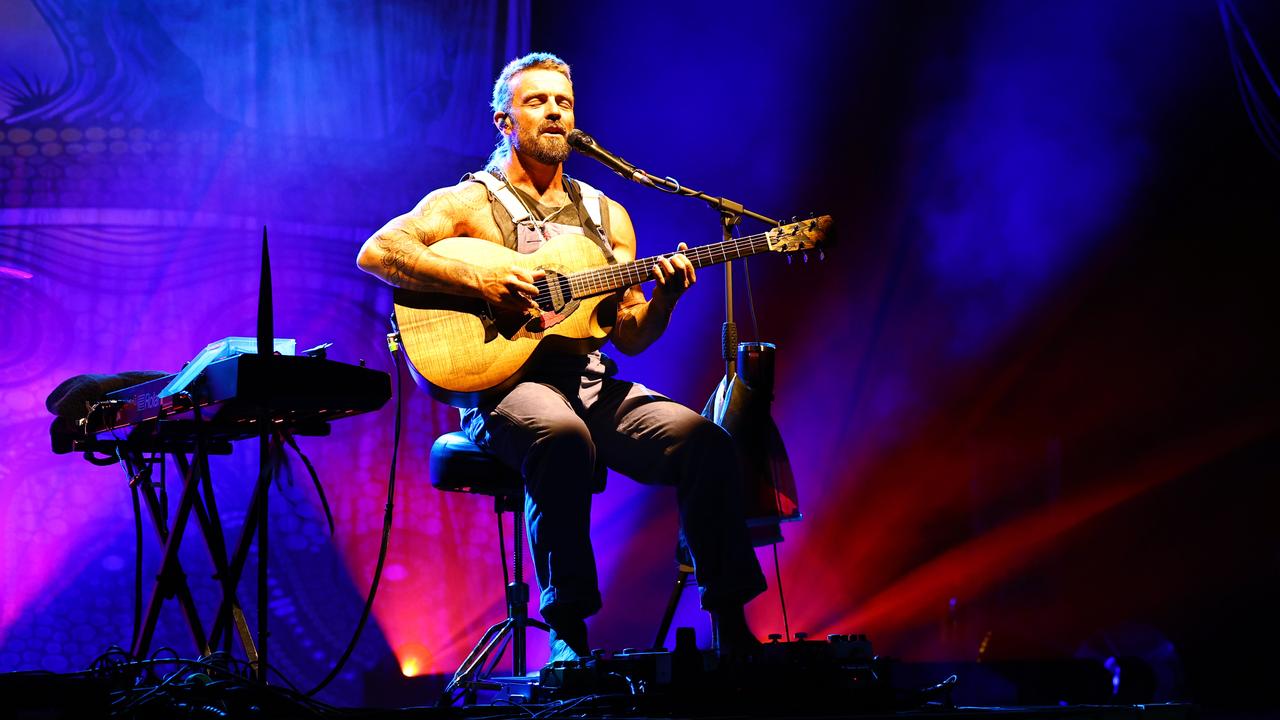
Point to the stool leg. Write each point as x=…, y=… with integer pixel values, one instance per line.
x=518, y=598
x=516, y=623
x=673, y=602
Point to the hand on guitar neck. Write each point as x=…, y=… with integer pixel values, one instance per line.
x=674, y=274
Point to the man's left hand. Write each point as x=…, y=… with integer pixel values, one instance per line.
x=675, y=274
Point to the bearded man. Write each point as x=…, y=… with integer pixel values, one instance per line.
x=570, y=416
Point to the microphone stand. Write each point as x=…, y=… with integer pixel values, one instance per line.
x=731, y=213
x=721, y=401
x=741, y=401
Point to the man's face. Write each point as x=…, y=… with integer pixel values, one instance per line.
x=541, y=115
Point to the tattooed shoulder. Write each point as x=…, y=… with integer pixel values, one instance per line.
x=470, y=195
x=455, y=201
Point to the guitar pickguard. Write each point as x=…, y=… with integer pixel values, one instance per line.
x=556, y=303
x=548, y=319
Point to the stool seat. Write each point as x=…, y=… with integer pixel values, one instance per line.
x=459, y=465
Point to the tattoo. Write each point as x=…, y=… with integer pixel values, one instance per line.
x=404, y=257
x=453, y=203
x=397, y=264
x=461, y=198
x=400, y=260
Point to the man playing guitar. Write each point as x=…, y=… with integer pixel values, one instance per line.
x=569, y=416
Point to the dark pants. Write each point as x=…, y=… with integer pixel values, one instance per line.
x=556, y=431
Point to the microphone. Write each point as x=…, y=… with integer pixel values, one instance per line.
x=588, y=146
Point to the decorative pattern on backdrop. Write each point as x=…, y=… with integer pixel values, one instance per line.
x=141, y=152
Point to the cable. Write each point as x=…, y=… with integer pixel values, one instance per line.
x=137, y=547
x=564, y=706
x=782, y=597
x=315, y=476
x=218, y=675
x=525, y=710
x=386, y=536
x=751, y=297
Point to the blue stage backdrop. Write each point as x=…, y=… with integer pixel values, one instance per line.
x=1029, y=396
x=144, y=146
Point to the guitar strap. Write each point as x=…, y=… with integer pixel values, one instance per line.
x=589, y=201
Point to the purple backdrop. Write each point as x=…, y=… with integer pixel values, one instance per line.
x=1029, y=396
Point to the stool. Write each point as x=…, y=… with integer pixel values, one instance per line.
x=459, y=465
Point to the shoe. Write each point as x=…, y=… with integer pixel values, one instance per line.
x=561, y=652
x=734, y=641
x=569, y=641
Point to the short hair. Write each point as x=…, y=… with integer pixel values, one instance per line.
x=502, y=99
x=501, y=102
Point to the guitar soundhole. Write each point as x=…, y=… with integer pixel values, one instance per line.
x=559, y=293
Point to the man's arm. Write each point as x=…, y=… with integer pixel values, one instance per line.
x=400, y=254
x=640, y=321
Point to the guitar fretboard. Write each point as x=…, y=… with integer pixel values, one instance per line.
x=609, y=278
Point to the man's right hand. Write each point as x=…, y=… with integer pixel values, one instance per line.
x=510, y=288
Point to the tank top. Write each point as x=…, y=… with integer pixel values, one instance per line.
x=539, y=224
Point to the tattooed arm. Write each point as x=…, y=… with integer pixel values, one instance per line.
x=400, y=253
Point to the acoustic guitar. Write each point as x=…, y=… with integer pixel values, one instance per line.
x=462, y=351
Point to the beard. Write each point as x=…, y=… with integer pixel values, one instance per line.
x=548, y=149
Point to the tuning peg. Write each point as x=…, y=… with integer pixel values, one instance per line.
x=821, y=256
x=789, y=257
x=806, y=258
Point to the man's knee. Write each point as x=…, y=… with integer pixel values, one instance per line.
x=709, y=439
x=567, y=445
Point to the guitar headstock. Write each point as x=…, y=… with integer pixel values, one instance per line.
x=799, y=235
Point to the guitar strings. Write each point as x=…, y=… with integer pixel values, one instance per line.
x=601, y=278
x=641, y=270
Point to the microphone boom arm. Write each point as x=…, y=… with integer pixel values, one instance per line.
x=586, y=145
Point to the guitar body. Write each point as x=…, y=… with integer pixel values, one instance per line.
x=462, y=353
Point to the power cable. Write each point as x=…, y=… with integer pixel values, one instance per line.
x=386, y=533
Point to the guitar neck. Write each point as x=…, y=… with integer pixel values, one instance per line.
x=611, y=278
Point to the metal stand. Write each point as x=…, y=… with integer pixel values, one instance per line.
x=266, y=350
x=683, y=571
x=731, y=213
x=171, y=580
x=197, y=496
x=513, y=628
x=729, y=331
